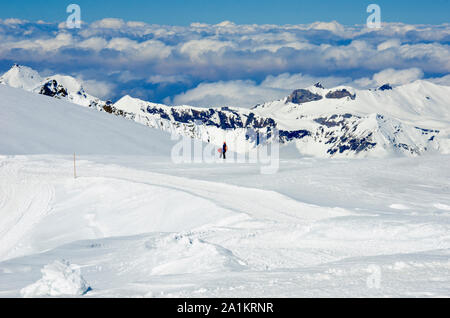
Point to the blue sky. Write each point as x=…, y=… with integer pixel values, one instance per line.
x=183, y=12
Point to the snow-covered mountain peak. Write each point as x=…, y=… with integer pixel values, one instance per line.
x=317, y=92
x=56, y=86
x=21, y=77
x=69, y=82
x=130, y=104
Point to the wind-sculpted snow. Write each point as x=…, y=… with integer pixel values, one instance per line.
x=60, y=278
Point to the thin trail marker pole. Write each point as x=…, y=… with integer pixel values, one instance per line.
x=74, y=167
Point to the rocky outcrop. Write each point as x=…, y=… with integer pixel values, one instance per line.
x=301, y=96
x=319, y=85
x=385, y=87
x=53, y=89
x=338, y=94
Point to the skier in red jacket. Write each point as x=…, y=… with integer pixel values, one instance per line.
x=224, y=150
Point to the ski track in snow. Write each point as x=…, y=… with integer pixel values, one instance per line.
x=249, y=242
x=28, y=199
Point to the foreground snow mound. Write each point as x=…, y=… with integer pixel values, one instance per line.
x=181, y=254
x=60, y=278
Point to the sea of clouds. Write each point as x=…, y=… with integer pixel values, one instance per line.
x=226, y=63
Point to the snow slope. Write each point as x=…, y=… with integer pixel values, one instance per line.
x=411, y=119
x=417, y=103
x=142, y=228
x=36, y=124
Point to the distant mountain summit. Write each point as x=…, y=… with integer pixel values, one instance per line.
x=411, y=119
x=21, y=77
x=56, y=86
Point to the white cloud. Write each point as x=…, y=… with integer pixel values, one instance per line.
x=136, y=24
x=333, y=26
x=445, y=80
x=62, y=39
x=288, y=81
x=99, y=89
x=393, y=43
x=247, y=93
x=196, y=48
x=226, y=52
x=122, y=44
x=94, y=43
x=166, y=79
x=109, y=23
x=144, y=50
x=127, y=76
x=396, y=77
x=390, y=76
x=230, y=93
x=13, y=21
x=153, y=49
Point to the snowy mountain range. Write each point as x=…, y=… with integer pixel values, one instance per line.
x=412, y=119
x=92, y=204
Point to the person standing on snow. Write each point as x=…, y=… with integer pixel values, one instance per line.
x=224, y=150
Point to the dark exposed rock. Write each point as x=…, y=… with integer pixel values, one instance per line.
x=358, y=144
x=385, y=87
x=339, y=133
x=334, y=120
x=427, y=131
x=158, y=111
x=224, y=118
x=53, y=89
x=301, y=96
x=340, y=94
x=319, y=85
x=286, y=136
x=349, y=143
x=108, y=107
